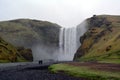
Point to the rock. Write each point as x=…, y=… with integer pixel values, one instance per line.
x=26, y=53
x=9, y=53
x=108, y=48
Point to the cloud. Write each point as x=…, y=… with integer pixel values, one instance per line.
x=67, y=13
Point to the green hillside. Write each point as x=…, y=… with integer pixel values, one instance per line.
x=28, y=32
x=9, y=53
x=101, y=42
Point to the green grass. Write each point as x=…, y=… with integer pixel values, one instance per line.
x=115, y=61
x=21, y=59
x=99, y=49
x=84, y=72
x=4, y=61
x=111, y=57
x=9, y=53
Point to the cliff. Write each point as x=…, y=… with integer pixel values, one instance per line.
x=101, y=41
x=9, y=53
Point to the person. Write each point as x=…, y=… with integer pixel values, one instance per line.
x=40, y=61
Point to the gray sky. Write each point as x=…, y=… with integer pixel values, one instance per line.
x=67, y=13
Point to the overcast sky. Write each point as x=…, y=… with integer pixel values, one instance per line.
x=67, y=13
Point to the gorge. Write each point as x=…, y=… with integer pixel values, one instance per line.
x=51, y=41
x=67, y=47
x=46, y=40
x=91, y=48
x=69, y=42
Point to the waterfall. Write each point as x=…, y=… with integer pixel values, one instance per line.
x=67, y=44
x=69, y=41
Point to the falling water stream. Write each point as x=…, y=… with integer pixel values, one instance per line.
x=67, y=43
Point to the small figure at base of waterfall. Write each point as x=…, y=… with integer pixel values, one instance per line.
x=40, y=61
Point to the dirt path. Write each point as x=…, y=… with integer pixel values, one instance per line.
x=98, y=66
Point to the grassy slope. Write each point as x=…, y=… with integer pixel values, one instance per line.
x=17, y=33
x=84, y=72
x=24, y=32
x=8, y=53
x=94, y=46
x=97, y=52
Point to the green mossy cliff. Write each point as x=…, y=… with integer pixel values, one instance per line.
x=101, y=42
x=9, y=53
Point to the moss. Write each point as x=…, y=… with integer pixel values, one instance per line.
x=111, y=57
x=9, y=53
x=26, y=53
x=4, y=61
x=104, y=43
x=21, y=59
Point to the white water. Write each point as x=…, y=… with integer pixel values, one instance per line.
x=69, y=41
x=67, y=44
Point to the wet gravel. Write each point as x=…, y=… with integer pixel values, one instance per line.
x=32, y=72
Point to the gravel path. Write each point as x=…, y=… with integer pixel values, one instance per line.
x=31, y=72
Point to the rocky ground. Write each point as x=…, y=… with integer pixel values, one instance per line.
x=31, y=72
x=35, y=71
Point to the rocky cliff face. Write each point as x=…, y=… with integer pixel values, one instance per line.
x=101, y=40
x=9, y=53
x=26, y=32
